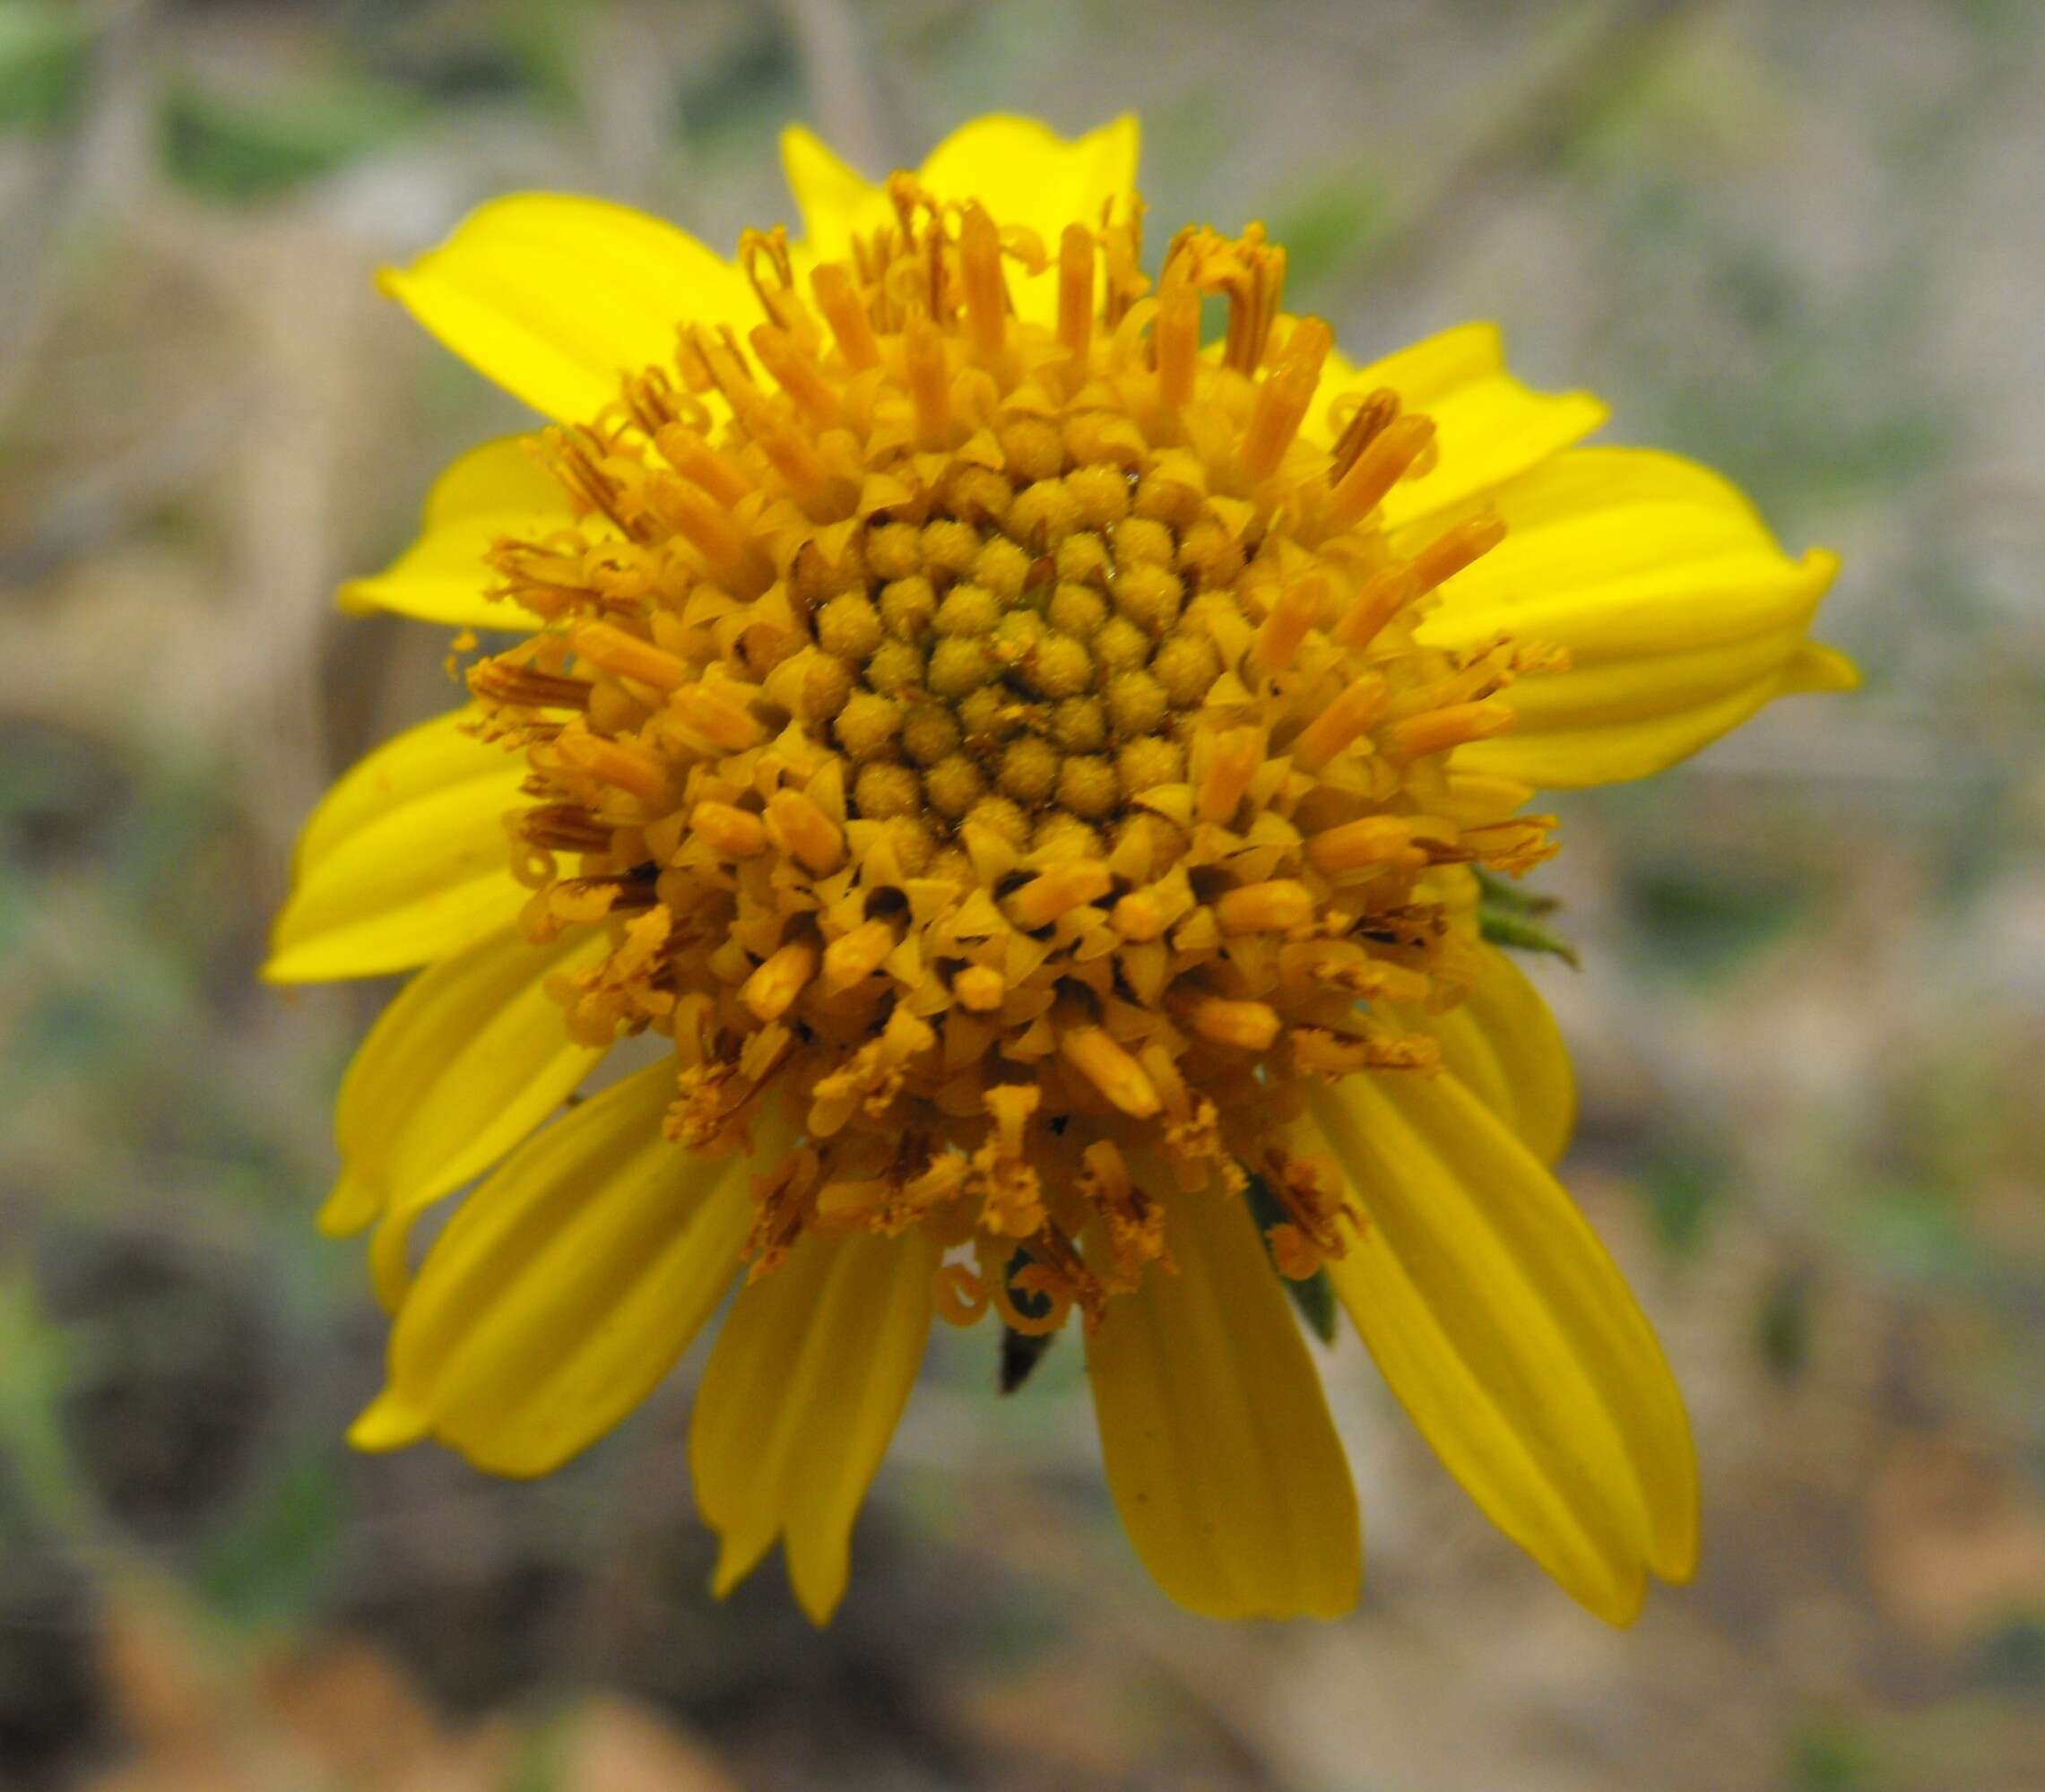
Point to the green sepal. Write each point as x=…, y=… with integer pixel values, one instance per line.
x=1022, y=1351
x=1510, y=916
x=1315, y=1296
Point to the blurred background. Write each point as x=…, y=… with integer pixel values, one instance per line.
x=1801, y=243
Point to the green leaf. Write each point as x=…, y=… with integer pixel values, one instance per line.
x=1326, y=229
x=271, y=1560
x=237, y=147
x=42, y=63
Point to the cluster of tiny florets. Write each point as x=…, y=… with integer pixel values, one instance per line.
x=999, y=750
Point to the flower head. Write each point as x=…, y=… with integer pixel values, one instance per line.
x=1030, y=771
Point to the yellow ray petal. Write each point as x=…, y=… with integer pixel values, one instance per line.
x=1489, y=427
x=1504, y=1329
x=1505, y=1047
x=1224, y=1463
x=494, y=490
x=1680, y=614
x=1617, y=752
x=404, y=860
x=553, y=296
x=838, y=203
x=565, y=1288
x=1816, y=668
x=471, y=1055
x=1024, y=172
x=808, y=1378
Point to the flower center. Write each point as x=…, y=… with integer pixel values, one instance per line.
x=997, y=740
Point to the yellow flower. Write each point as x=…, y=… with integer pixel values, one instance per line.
x=1027, y=772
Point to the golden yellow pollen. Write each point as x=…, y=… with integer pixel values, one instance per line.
x=1002, y=749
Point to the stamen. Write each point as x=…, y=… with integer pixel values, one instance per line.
x=709, y=527
x=1356, y=845
x=856, y=954
x=923, y=348
x=1110, y=1070
x=1440, y=729
x=771, y=990
x=1385, y=594
x=986, y=298
x=1250, y=1025
x=518, y=687
x=731, y=833
x=1057, y=891
x=838, y=300
x=797, y=375
x=623, y=763
x=563, y=828
x=1274, y=907
x=801, y=829
x=1075, y=291
x=1137, y=917
x=1456, y=548
x=1373, y=414
x=1236, y=756
x=1176, y=339
x=1317, y=1051
x=717, y=717
x=629, y=657
x=979, y=988
x=1378, y=468
x=1291, y=617
x=696, y=460
x=1284, y=399
x=1340, y=723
